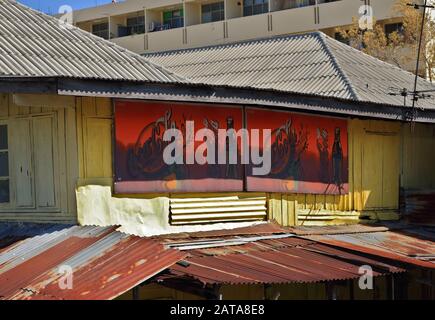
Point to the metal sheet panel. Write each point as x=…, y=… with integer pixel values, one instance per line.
x=410, y=246
x=11, y=232
x=218, y=209
x=105, y=264
x=266, y=228
x=286, y=260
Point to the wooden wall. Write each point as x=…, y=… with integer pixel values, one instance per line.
x=376, y=172
x=374, y=175
x=383, y=156
x=418, y=155
x=94, y=136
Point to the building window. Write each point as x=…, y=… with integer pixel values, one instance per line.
x=173, y=19
x=101, y=30
x=253, y=7
x=4, y=165
x=393, y=27
x=212, y=12
x=136, y=25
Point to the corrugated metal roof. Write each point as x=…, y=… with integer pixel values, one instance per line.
x=411, y=245
x=33, y=44
x=311, y=63
x=336, y=229
x=280, y=260
x=266, y=228
x=11, y=232
x=105, y=264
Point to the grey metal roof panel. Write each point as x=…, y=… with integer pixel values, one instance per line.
x=33, y=44
x=12, y=232
x=311, y=63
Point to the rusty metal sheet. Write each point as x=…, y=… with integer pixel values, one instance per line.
x=340, y=229
x=289, y=260
x=105, y=264
x=258, y=229
x=401, y=245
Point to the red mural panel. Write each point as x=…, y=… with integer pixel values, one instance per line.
x=139, y=161
x=309, y=153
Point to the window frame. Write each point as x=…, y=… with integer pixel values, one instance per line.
x=99, y=32
x=253, y=5
x=170, y=21
x=210, y=5
x=138, y=27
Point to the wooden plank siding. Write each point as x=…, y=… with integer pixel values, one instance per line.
x=418, y=156
x=94, y=136
x=383, y=156
x=50, y=161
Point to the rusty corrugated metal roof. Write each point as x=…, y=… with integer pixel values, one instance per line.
x=335, y=229
x=411, y=245
x=265, y=228
x=105, y=264
x=281, y=260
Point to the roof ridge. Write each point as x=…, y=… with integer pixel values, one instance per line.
x=345, y=78
x=387, y=64
x=232, y=44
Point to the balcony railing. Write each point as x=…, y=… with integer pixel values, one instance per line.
x=281, y=17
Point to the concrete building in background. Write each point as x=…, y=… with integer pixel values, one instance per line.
x=145, y=26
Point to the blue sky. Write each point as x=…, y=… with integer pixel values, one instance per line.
x=52, y=6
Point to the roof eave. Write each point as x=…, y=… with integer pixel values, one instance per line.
x=203, y=93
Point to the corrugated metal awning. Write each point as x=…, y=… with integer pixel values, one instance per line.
x=105, y=264
x=408, y=245
x=276, y=260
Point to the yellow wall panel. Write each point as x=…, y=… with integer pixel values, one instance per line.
x=371, y=172
x=418, y=156
x=391, y=172
x=98, y=148
x=94, y=134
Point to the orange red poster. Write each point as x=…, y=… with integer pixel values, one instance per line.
x=139, y=162
x=309, y=153
x=176, y=147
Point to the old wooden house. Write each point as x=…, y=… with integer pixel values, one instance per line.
x=76, y=110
